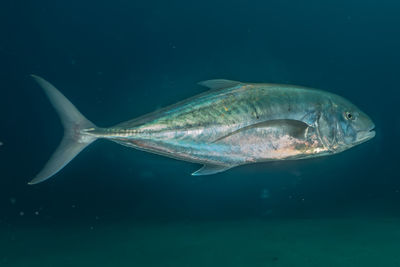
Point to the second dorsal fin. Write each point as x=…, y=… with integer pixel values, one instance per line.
x=219, y=83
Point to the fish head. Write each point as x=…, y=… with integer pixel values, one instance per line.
x=352, y=126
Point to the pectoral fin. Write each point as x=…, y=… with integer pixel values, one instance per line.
x=293, y=128
x=208, y=169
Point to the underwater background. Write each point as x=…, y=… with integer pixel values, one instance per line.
x=115, y=206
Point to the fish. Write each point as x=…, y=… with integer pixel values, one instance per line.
x=231, y=124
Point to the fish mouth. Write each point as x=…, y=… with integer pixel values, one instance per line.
x=364, y=136
x=370, y=134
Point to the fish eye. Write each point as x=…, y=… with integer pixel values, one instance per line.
x=349, y=116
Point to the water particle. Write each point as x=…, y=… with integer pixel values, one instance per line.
x=265, y=193
x=268, y=212
x=146, y=174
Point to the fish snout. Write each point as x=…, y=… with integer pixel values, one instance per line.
x=366, y=135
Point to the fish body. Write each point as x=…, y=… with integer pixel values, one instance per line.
x=232, y=124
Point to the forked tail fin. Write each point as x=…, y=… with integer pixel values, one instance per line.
x=75, y=139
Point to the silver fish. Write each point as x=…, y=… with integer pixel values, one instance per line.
x=232, y=124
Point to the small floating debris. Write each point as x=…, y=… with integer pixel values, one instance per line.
x=13, y=200
x=265, y=193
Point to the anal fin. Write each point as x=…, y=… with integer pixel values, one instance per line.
x=209, y=169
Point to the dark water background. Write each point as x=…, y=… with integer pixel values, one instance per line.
x=116, y=60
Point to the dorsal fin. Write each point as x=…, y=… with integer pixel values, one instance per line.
x=219, y=83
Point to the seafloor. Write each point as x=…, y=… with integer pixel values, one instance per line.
x=303, y=242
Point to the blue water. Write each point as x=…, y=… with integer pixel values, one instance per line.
x=116, y=60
